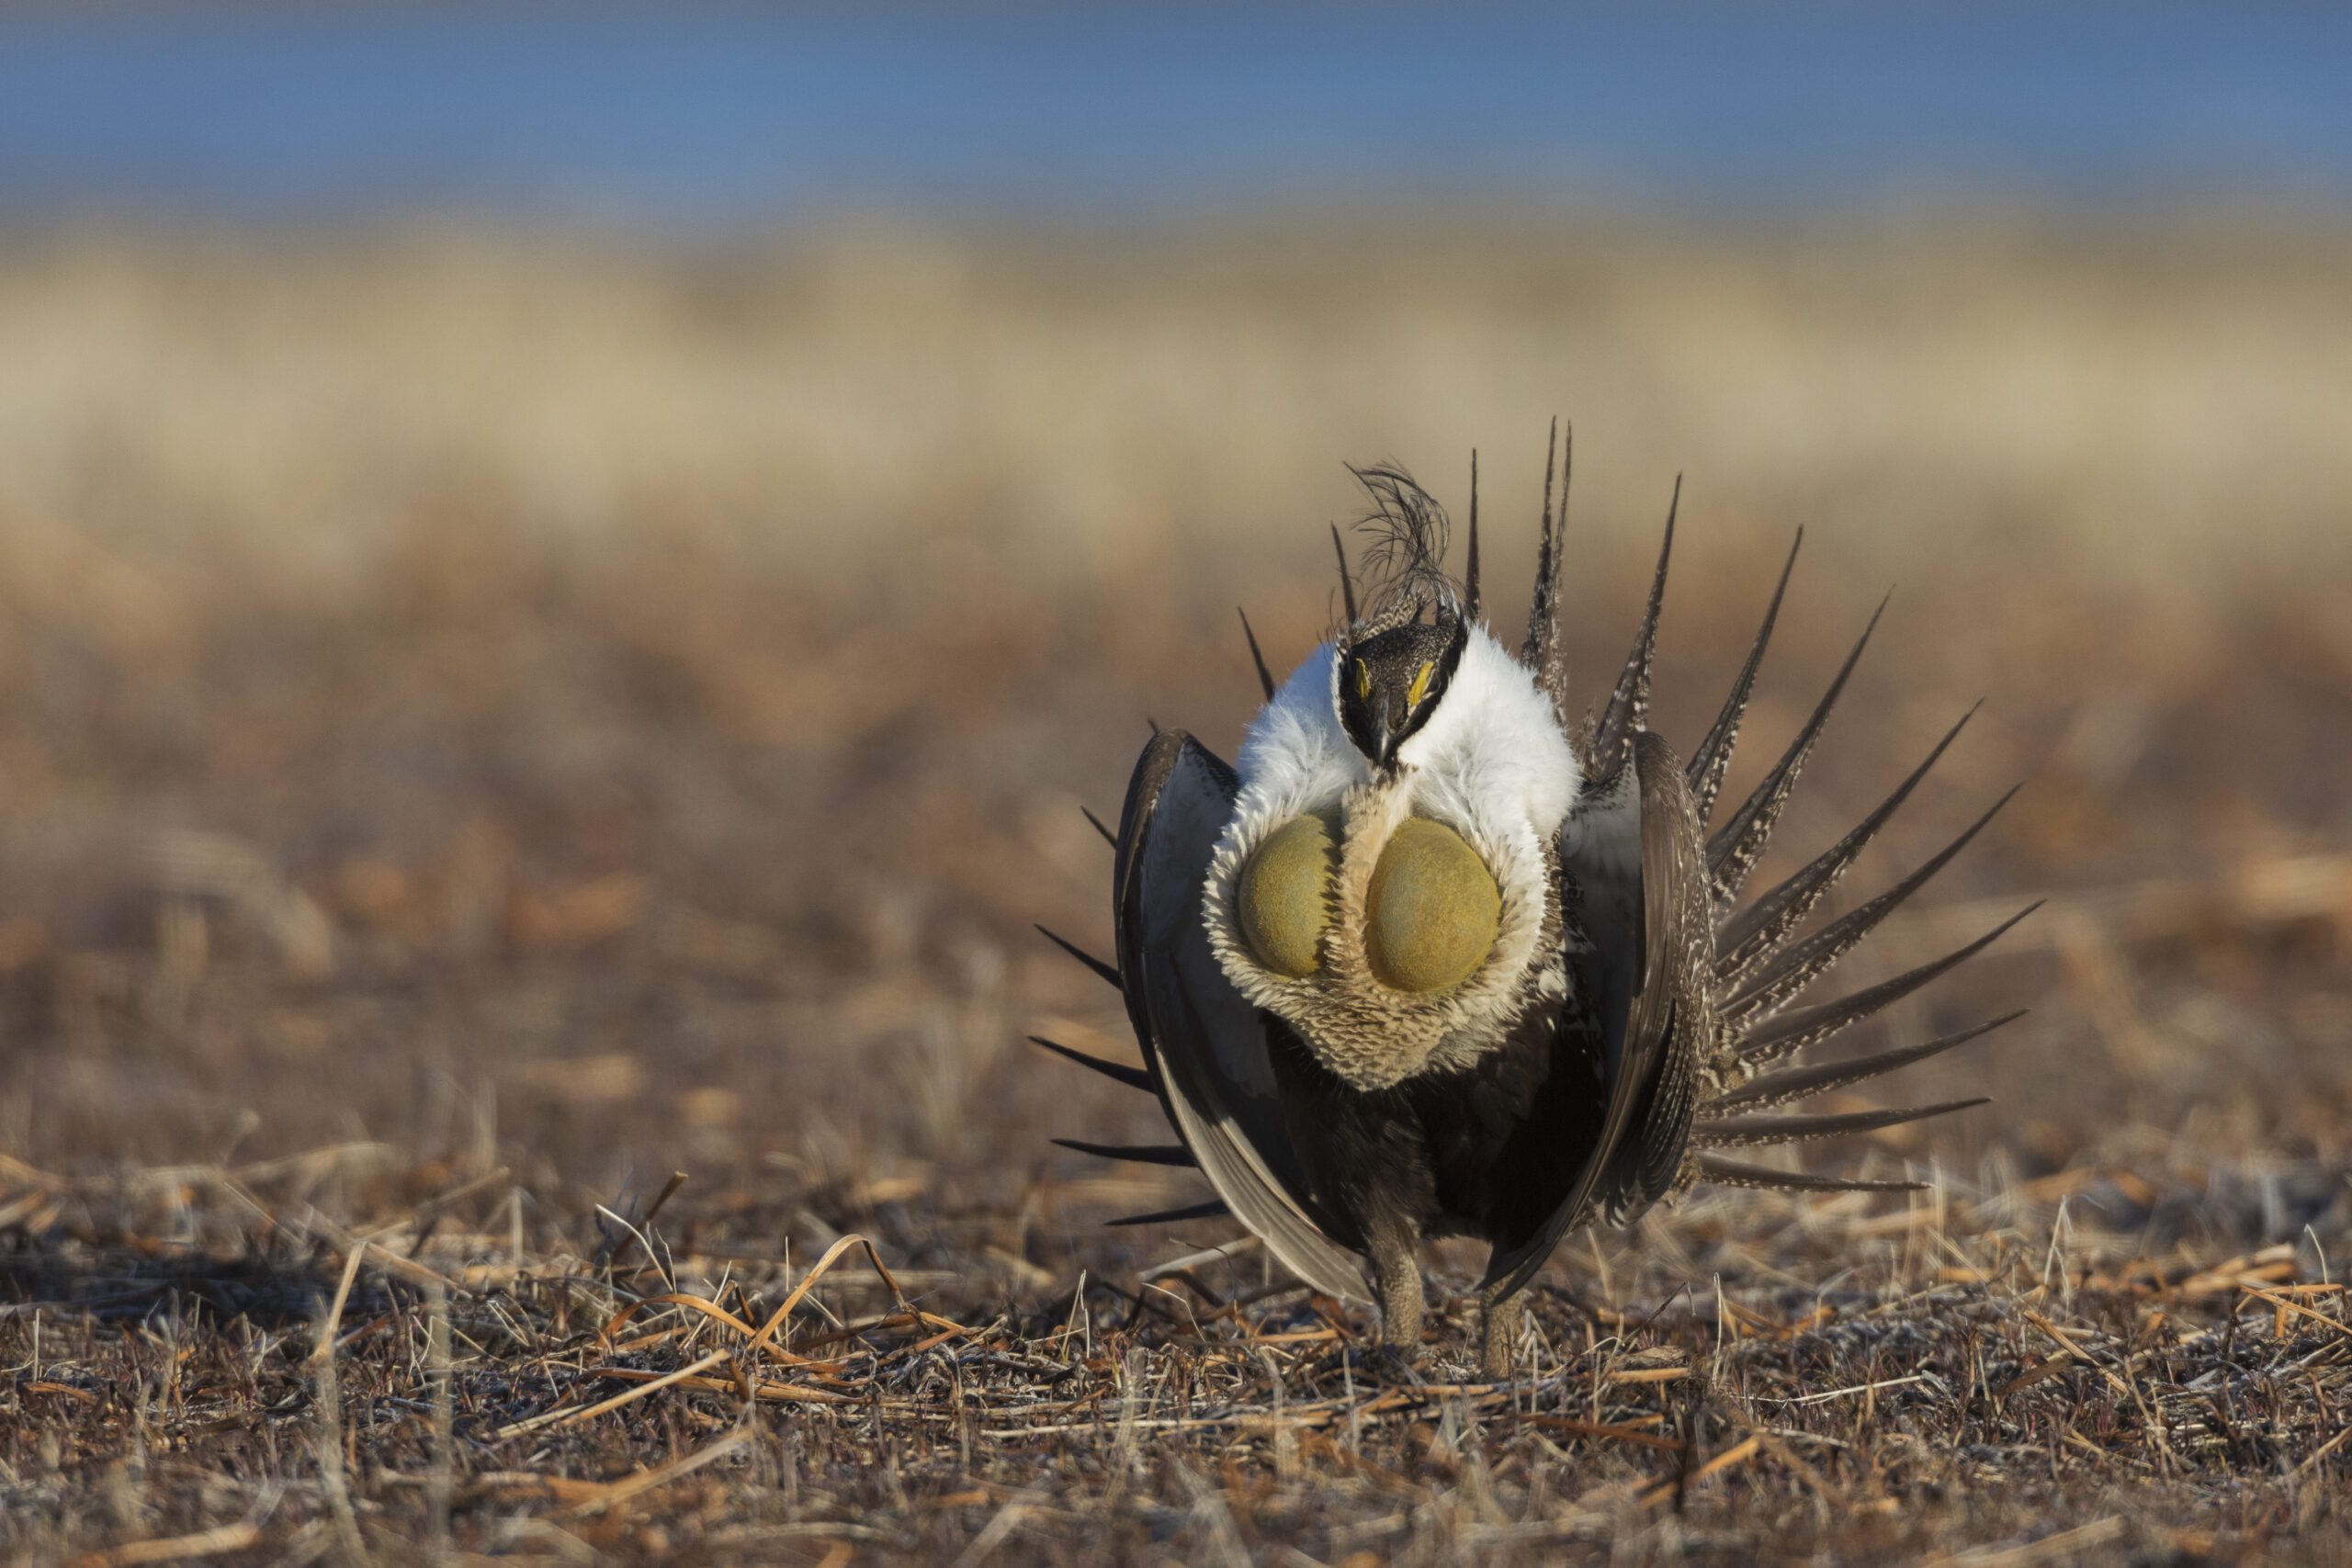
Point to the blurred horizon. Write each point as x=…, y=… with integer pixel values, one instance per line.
x=718, y=117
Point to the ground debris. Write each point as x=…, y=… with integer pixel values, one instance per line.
x=172, y=1402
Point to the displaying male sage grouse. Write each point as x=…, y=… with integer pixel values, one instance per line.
x=1423, y=963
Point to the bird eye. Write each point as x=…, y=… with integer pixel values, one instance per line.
x=1420, y=687
x=1364, y=678
x=1284, y=901
x=1432, y=910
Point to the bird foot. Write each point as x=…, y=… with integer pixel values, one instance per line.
x=1381, y=1366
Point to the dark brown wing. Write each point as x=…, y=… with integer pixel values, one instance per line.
x=1203, y=1040
x=1674, y=1011
x=1634, y=853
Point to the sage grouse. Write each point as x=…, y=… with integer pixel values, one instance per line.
x=1422, y=963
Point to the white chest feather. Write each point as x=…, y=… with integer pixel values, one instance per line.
x=1491, y=758
x=1492, y=764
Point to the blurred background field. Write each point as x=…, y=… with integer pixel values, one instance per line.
x=692, y=660
x=495, y=709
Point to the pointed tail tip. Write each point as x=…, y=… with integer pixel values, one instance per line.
x=1104, y=971
x=1265, y=676
x=1347, y=584
x=1214, y=1209
x=1738, y=1173
x=1117, y=1072
x=1139, y=1154
x=1470, y=576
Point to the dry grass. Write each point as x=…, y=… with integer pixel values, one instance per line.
x=1994, y=1371
x=483, y=729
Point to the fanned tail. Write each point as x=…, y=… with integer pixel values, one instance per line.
x=1799, y=966
x=1733, y=853
x=1751, y=1040
x=1746, y=939
x=1761, y=963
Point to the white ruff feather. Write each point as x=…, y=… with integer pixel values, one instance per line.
x=1492, y=756
x=1295, y=757
x=1492, y=764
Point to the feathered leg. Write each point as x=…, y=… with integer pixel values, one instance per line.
x=1500, y=1317
x=1396, y=1263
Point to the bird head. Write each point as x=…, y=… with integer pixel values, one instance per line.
x=1391, y=680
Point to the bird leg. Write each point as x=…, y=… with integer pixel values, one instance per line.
x=1499, y=1327
x=1397, y=1264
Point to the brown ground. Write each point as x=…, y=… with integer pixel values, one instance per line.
x=487, y=724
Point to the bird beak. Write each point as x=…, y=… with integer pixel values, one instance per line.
x=1383, y=738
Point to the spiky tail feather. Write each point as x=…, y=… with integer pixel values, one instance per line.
x=1761, y=965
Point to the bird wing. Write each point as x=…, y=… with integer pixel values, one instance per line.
x=1205, y=1045
x=1674, y=1011
x=1633, y=855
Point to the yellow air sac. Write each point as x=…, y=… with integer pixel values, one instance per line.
x=1284, y=896
x=1432, y=910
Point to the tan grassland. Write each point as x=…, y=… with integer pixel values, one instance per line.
x=490, y=720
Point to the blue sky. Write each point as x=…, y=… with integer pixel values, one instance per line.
x=712, y=115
